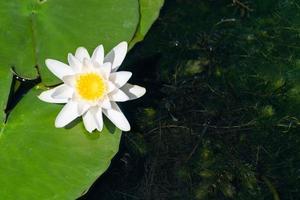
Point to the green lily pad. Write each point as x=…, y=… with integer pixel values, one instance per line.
x=4, y=91
x=39, y=161
x=61, y=26
x=34, y=30
x=149, y=11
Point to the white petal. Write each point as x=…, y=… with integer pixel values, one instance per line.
x=111, y=87
x=116, y=55
x=81, y=53
x=133, y=91
x=118, y=95
x=82, y=107
x=74, y=63
x=106, y=103
x=99, y=119
x=47, y=96
x=87, y=65
x=89, y=121
x=105, y=70
x=116, y=116
x=67, y=114
x=69, y=80
x=120, y=78
x=58, y=68
x=63, y=92
x=98, y=55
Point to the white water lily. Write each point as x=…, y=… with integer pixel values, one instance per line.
x=92, y=86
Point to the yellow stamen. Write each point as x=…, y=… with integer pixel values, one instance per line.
x=90, y=86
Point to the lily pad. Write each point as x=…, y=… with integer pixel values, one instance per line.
x=34, y=30
x=39, y=161
x=4, y=91
x=62, y=26
x=149, y=11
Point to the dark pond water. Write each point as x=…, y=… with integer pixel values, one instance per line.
x=221, y=116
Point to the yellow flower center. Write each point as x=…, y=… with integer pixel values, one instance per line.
x=90, y=86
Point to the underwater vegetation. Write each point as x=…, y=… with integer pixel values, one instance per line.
x=220, y=119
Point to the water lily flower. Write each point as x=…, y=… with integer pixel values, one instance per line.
x=92, y=86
